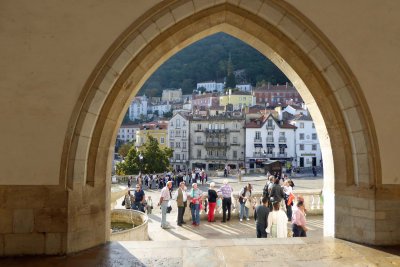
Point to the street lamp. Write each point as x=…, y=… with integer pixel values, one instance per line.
x=141, y=160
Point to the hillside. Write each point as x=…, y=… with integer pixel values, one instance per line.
x=207, y=60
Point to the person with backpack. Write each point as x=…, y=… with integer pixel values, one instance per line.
x=244, y=196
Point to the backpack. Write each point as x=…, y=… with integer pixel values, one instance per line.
x=265, y=190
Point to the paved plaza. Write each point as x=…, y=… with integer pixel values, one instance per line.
x=217, y=230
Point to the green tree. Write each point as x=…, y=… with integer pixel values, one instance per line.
x=230, y=78
x=155, y=159
x=131, y=163
x=124, y=149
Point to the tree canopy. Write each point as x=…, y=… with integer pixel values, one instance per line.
x=150, y=159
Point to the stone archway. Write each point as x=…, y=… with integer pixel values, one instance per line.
x=275, y=29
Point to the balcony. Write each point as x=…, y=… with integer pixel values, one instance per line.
x=217, y=158
x=258, y=154
x=282, y=140
x=216, y=144
x=257, y=140
x=270, y=127
x=281, y=155
x=200, y=143
x=226, y=130
x=270, y=155
x=270, y=139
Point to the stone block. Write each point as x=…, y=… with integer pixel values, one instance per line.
x=23, y=244
x=202, y=4
x=291, y=28
x=319, y=57
x=23, y=221
x=1, y=245
x=50, y=220
x=165, y=21
x=271, y=13
x=306, y=41
x=53, y=243
x=182, y=11
x=57, y=199
x=6, y=221
x=251, y=5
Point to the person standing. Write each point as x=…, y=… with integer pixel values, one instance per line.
x=181, y=201
x=212, y=202
x=299, y=221
x=261, y=216
x=244, y=196
x=195, y=195
x=164, y=198
x=139, y=198
x=149, y=206
x=226, y=191
x=277, y=221
x=288, y=190
x=127, y=200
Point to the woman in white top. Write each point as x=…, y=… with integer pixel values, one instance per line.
x=277, y=221
x=287, y=190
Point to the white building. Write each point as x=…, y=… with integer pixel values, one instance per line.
x=244, y=87
x=127, y=132
x=138, y=108
x=178, y=140
x=211, y=86
x=161, y=108
x=171, y=95
x=308, y=150
x=268, y=138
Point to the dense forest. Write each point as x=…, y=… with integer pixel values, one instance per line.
x=207, y=60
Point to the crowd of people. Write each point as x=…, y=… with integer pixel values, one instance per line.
x=271, y=213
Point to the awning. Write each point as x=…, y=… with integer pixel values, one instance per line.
x=258, y=145
x=270, y=145
x=283, y=145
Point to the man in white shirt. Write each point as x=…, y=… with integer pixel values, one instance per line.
x=164, y=198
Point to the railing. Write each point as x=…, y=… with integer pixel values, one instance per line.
x=257, y=140
x=216, y=144
x=270, y=139
x=198, y=143
x=258, y=154
x=282, y=155
x=226, y=130
x=282, y=140
x=270, y=155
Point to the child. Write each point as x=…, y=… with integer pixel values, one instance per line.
x=149, y=205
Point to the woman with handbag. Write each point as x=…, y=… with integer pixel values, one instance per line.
x=244, y=196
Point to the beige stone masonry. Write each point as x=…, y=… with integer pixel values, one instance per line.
x=23, y=221
x=24, y=244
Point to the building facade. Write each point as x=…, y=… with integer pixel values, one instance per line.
x=211, y=86
x=205, y=100
x=217, y=141
x=178, y=140
x=138, y=108
x=127, y=132
x=171, y=95
x=272, y=95
x=160, y=108
x=238, y=100
x=157, y=129
x=268, y=138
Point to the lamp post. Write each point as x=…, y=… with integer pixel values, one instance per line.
x=140, y=165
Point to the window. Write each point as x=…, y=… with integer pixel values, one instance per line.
x=301, y=124
x=270, y=134
x=258, y=135
x=172, y=123
x=184, y=133
x=183, y=123
x=162, y=140
x=209, y=152
x=199, y=127
x=281, y=150
x=314, y=147
x=178, y=156
x=198, y=153
x=171, y=133
x=184, y=145
x=171, y=144
x=178, y=133
x=301, y=136
x=222, y=126
x=178, y=123
x=281, y=134
x=269, y=123
x=314, y=136
x=198, y=139
x=235, y=154
x=313, y=125
x=269, y=150
x=178, y=145
x=301, y=147
x=234, y=140
x=183, y=156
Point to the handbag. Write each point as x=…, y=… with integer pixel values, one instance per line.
x=247, y=204
x=290, y=199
